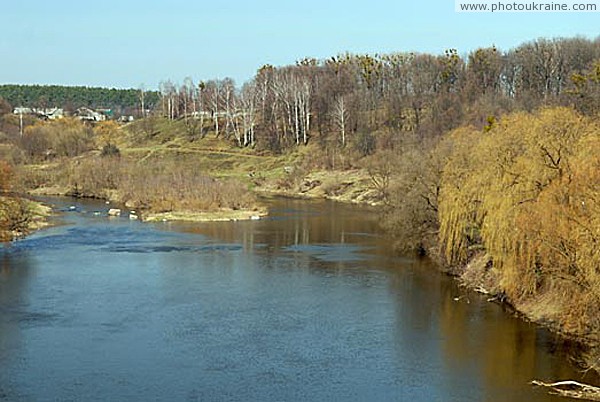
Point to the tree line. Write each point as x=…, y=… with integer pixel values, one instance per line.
x=122, y=101
x=349, y=97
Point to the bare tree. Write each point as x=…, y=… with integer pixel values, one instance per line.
x=168, y=99
x=141, y=96
x=213, y=90
x=340, y=116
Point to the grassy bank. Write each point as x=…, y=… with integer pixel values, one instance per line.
x=170, y=173
x=153, y=186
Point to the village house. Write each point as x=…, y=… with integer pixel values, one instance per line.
x=43, y=113
x=85, y=114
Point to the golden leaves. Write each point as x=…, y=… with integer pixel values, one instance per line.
x=527, y=191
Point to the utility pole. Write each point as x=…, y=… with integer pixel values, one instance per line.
x=21, y=122
x=141, y=96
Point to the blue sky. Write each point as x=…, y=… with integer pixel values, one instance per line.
x=126, y=43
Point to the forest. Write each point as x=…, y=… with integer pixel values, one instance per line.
x=70, y=98
x=486, y=162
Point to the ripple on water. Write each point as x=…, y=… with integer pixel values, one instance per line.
x=332, y=252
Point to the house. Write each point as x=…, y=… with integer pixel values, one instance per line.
x=23, y=110
x=108, y=113
x=52, y=114
x=85, y=114
x=43, y=113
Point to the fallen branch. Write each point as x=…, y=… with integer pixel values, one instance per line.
x=571, y=389
x=482, y=290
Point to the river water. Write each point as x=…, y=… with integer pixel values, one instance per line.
x=309, y=304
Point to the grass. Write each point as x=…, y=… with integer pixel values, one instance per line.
x=263, y=171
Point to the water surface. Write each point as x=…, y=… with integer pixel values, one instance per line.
x=309, y=304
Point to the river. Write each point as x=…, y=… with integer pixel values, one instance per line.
x=308, y=304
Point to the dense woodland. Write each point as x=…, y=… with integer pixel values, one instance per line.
x=488, y=162
x=122, y=101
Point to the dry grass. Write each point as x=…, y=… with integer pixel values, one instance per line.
x=206, y=216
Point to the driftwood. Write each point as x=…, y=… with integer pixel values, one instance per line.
x=571, y=389
x=482, y=290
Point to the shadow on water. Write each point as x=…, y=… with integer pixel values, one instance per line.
x=307, y=304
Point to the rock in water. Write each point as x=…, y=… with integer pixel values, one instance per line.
x=114, y=212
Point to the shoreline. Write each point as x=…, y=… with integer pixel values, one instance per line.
x=542, y=310
x=41, y=213
x=347, y=186
x=147, y=215
x=37, y=220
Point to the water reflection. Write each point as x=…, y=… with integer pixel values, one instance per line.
x=308, y=304
x=292, y=222
x=12, y=282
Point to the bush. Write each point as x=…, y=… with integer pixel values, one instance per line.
x=15, y=216
x=110, y=150
x=64, y=137
x=365, y=143
x=157, y=185
x=6, y=177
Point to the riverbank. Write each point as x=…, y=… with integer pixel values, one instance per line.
x=547, y=308
x=20, y=217
x=40, y=214
x=352, y=186
x=148, y=215
x=158, y=190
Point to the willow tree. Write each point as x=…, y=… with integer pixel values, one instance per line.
x=524, y=192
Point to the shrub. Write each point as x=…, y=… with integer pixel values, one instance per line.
x=110, y=150
x=157, y=185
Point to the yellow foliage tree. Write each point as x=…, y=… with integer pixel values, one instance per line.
x=526, y=192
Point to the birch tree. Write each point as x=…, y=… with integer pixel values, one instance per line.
x=340, y=116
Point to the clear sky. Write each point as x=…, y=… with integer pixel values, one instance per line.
x=126, y=43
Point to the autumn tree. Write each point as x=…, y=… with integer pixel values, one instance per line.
x=521, y=192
